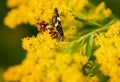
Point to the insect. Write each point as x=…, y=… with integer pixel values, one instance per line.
x=55, y=27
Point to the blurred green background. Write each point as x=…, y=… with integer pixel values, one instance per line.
x=11, y=52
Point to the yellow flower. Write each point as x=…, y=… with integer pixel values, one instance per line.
x=94, y=79
x=108, y=52
x=15, y=3
x=73, y=75
x=28, y=11
x=11, y=75
x=45, y=62
x=100, y=12
x=107, y=12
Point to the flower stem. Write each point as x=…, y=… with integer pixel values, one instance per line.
x=96, y=30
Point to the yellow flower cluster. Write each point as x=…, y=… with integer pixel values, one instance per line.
x=108, y=52
x=100, y=12
x=45, y=62
x=28, y=11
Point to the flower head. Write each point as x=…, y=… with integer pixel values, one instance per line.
x=108, y=52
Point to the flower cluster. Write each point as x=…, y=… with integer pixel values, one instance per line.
x=45, y=62
x=108, y=52
x=100, y=12
x=28, y=11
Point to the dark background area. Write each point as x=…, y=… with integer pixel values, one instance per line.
x=11, y=51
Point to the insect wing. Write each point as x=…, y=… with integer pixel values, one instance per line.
x=57, y=23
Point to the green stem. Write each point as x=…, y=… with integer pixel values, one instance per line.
x=97, y=30
x=88, y=21
x=82, y=18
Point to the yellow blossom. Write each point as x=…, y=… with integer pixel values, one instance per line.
x=14, y=3
x=100, y=12
x=28, y=11
x=108, y=52
x=43, y=63
x=13, y=75
x=45, y=59
x=94, y=79
x=107, y=12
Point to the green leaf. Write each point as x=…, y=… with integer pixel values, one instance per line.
x=79, y=44
x=100, y=75
x=90, y=45
x=83, y=19
x=78, y=47
x=74, y=47
x=67, y=50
